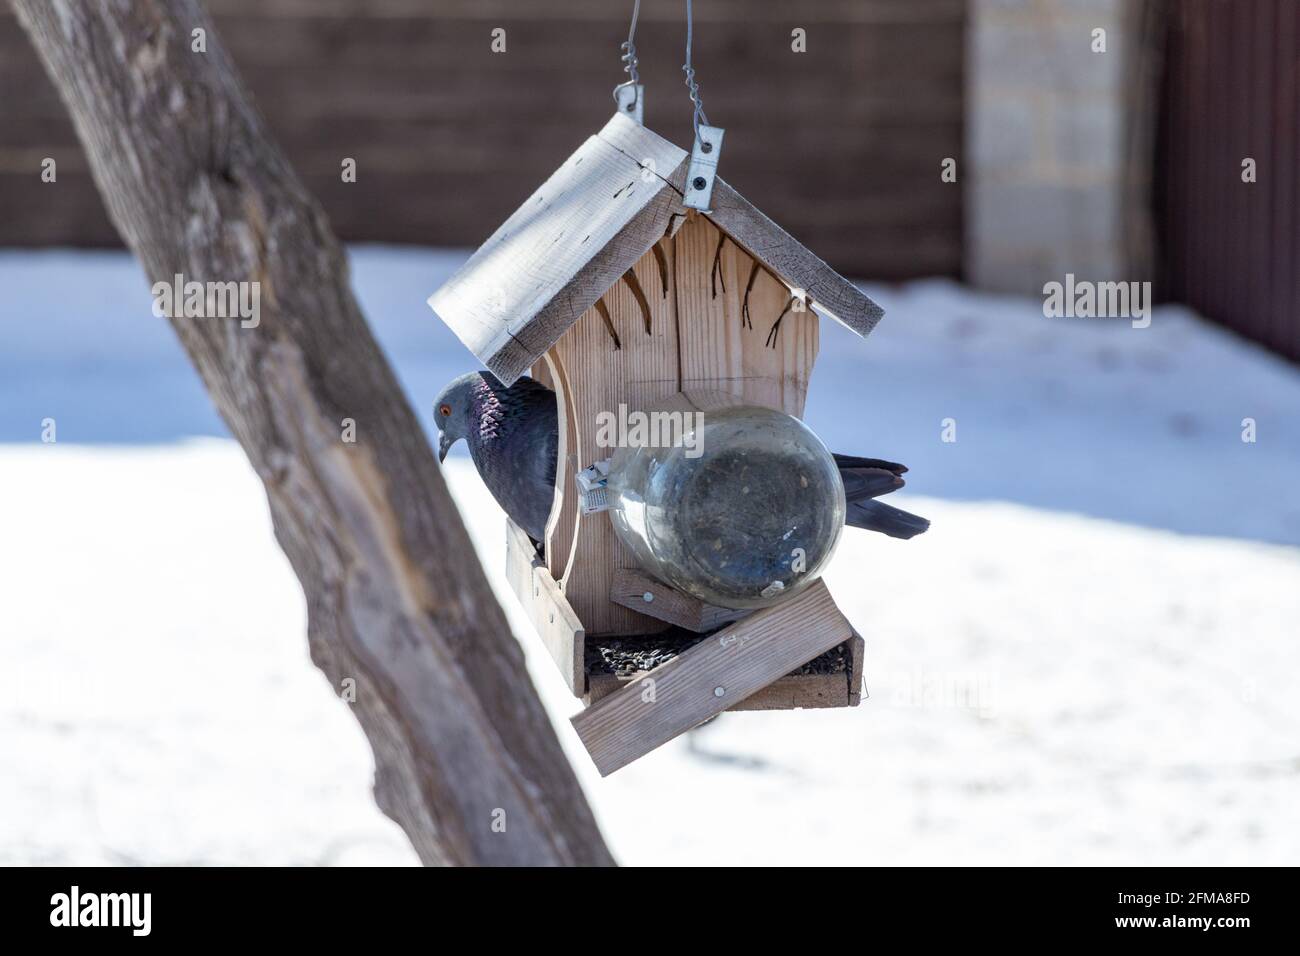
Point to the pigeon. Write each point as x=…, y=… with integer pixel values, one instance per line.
x=513, y=432
x=866, y=479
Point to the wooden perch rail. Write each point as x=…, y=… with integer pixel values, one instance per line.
x=394, y=596
x=716, y=674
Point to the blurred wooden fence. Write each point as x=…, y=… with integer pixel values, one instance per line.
x=842, y=144
x=1231, y=249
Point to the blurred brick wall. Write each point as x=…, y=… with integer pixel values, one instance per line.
x=842, y=145
x=1060, y=141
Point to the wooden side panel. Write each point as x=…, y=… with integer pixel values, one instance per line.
x=720, y=348
x=558, y=626
x=857, y=655
x=600, y=378
x=791, y=692
x=698, y=339
x=711, y=677
x=562, y=526
x=799, y=692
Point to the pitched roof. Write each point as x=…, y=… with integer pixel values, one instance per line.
x=588, y=224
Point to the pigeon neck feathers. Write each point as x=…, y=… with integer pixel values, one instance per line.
x=495, y=404
x=488, y=410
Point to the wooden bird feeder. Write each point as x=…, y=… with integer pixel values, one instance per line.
x=610, y=290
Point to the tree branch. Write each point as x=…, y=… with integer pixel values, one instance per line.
x=395, y=597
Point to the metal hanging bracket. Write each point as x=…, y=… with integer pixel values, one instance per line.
x=703, y=169
x=630, y=98
x=697, y=192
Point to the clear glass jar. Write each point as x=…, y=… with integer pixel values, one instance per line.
x=743, y=508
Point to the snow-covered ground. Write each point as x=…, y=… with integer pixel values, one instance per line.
x=1090, y=658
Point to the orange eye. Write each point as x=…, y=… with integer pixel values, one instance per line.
x=444, y=410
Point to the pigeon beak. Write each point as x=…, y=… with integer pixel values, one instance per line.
x=444, y=446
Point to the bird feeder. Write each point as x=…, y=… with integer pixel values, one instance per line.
x=608, y=287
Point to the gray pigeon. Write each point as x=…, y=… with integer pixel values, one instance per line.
x=512, y=435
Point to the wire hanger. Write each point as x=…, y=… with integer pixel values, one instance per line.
x=707, y=148
x=630, y=94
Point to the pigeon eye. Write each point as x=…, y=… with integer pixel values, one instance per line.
x=444, y=410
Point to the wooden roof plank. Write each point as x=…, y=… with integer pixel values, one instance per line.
x=800, y=268
x=591, y=220
x=585, y=227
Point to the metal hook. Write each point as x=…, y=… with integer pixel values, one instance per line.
x=630, y=95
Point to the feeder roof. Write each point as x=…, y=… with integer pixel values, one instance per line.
x=596, y=215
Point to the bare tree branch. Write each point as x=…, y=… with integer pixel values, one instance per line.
x=395, y=597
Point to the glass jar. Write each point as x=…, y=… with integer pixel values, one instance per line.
x=737, y=505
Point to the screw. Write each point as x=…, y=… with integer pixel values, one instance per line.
x=706, y=147
x=630, y=106
x=647, y=597
x=699, y=182
x=719, y=691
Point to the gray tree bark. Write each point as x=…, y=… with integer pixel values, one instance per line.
x=466, y=760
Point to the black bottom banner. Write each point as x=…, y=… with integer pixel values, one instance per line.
x=1205, y=907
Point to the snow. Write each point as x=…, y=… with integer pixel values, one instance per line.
x=1088, y=659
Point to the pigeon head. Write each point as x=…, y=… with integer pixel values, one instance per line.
x=455, y=410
